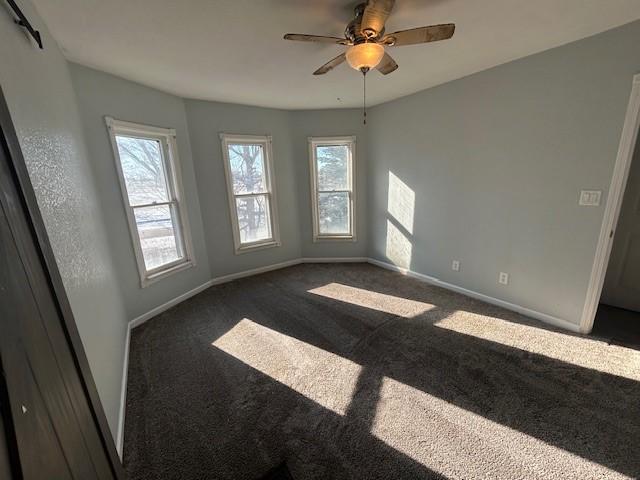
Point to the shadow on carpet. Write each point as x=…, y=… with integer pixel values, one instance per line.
x=281, y=472
x=354, y=372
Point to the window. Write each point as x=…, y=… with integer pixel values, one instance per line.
x=147, y=164
x=249, y=172
x=332, y=187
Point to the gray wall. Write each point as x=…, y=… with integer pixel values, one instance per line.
x=198, y=125
x=487, y=171
x=496, y=162
x=100, y=94
x=41, y=100
x=206, y=121
x=329, y=123
x=290, y=131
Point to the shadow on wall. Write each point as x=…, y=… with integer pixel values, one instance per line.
x=400, y=217
x=374, y=375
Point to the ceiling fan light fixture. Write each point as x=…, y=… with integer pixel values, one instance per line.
x=365, y=55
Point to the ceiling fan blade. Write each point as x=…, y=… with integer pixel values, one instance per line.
x=387, y=65
x=413, y=36
x=301, y=37
x=330, y=65
x=375, y=16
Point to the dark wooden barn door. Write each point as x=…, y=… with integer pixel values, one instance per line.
x=5, y=459
x=53, y=425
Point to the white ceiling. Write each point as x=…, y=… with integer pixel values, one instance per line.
x=233, y=51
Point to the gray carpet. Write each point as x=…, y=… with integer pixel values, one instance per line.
x=354, y=372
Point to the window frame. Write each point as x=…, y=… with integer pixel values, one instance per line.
x=265, y=141
x=167, y=139
x=349, y=141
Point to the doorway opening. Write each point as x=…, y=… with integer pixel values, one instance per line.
x=618, y=315
x=613, y=293
x=612, y=307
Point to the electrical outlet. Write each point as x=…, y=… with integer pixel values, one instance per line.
x=455, y=265
x=503, y=278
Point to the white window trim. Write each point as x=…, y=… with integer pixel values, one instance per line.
x=266, y=142
x=167, y=138
x=319, y=141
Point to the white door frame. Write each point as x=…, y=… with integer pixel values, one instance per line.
x=613, y=206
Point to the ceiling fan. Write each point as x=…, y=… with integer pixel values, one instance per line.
x=365, y=36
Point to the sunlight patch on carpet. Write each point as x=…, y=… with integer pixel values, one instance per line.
x=327, y=379
x=433, y=431
x=381, y=302
x=581, y=351
x=425, y=427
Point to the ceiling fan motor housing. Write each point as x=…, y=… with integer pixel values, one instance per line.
x=366, y=40
x=353, y=31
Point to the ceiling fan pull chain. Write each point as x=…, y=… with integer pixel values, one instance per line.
x=364, y=96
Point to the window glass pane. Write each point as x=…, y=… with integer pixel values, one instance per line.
x=333, y=210
x=247, y=168
x=143, y=169
x=253, y=218
x=333, y=167
x=157, y=232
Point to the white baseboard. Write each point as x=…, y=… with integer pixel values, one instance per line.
x=125, y=367
x=166, y=306
x=123, y=393
x=235, y=276
x=334, y=260
x=247, y=273
x=253, y=271
x=543, y=317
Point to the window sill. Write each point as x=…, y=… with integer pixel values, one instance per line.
x=252, y=247
x=153, y=278
x=334, y=238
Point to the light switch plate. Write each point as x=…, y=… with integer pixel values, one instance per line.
x=590, y=198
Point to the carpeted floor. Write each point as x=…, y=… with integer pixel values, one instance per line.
x=617, y=326
x=354, y=372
